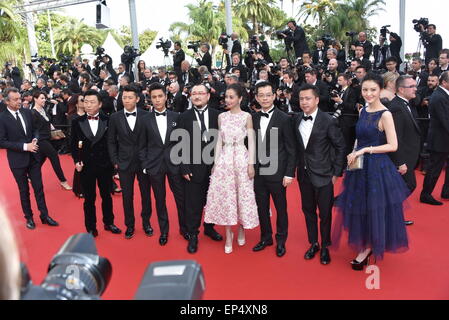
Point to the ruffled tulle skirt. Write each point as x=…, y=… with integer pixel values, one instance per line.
x=371, y=208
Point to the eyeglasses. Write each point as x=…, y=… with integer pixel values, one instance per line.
x=410, y=87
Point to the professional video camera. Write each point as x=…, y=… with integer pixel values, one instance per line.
x=260, y=64
x=384, y=30
x=417, y=23
x=223, y=41
x=194, y=45
x=65, y=62
x=129, y=55
x=99, y=53
x=164, y=45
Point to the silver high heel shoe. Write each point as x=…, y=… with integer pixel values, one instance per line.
x=228, y=250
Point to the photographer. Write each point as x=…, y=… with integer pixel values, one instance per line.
x=360, y=54
x=13, y=73
x=319, y=55
x=178, y=57
x=332, y=53
x=381, y=52
x=297, y=37
x=216, y=89
x=443, y=62
x=311, y=77
x=289, y=86
x=367, y=45
x=236, y=45
x=206, y=59
x=104, y=63
x=330, y=76
x=302, y=66
x=177, y=102
x=395, y=46
x=418, y=73
x=148, y=78
x=346, y=111
x=431, y=41
x=188, y=75
x=237, y=63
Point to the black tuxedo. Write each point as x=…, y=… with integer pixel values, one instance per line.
x=367, y=46
x=349, y=117
x=316, y=56
x=180, y=102
x=206, y=60
x=123, y=147
x=324, y=96
x=438, y=141
x=97, y=167
x=318, y=163
x=178, y=58
x=24, y=165
x=298, y=37
x=191, y=76
x=196, y=189
x=409, y=139
x=236, y=47
x=156, y=160
x=270, y=172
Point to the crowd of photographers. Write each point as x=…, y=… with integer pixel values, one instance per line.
x=327, y=66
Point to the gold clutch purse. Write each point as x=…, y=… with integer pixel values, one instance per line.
x=57, y=135
x=357, y=164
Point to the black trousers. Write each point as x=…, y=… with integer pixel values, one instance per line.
x=33, y=172
x=349, y=137
x=176, y=184
x=195, y=200
x=127, y=178
x=437, y=162
x=263, y=190
x=410, y=178
x=314, y=198
x=48, y=151
x=90, y=176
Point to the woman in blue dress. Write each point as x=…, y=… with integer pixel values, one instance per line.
x=370, y=207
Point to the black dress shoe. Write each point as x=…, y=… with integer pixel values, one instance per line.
x=310, y=254
x=262, y=245
x=214, y=235
x=148, y=230
x=280, y=250
x=30, y=224
x=94, y=233
x=112, y=228
x=49, y=221
x=129, y=233
x=409, y=223
x=325, y=257
x=163, y=239
x=193, y=244
x=428, y=199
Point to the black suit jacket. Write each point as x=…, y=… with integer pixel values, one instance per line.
x=41, y=126
x=206, y=61
x=94, y=151
x=236, y=47
x=153, y=152
x=438, y=137
x=123, y=144
x=13, y=138
x=299, y=41
x=188, y=121
x=284, y=148
x=324, y=96
x=368, y=46
x=408, y=133
x=350, y=113
x=180, y=102
x=325, y=153
x=178, y=58
x=316, y=56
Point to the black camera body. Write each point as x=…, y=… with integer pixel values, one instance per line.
x=164, y=45
x=417, y=23
x=194, y=45
x=334, y=94
x=384, y=30
x=223, y=41
x=328, y=40
x=129, y=55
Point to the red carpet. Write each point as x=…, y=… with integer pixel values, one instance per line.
x=420, y=273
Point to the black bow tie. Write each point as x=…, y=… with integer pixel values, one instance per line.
x=307, y=118
x=93, y=118
x=266, y=114
x=134, y=114
x=161, y=113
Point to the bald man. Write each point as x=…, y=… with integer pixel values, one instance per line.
x=367, y=46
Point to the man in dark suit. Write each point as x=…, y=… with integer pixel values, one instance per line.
x=407, y=131
x=438, y=142
x=433, y=42
x=198, y=122
x=188, y=75
x=311, y=78
x=206, y=59
x=126, y=131
x=367, y=45
x=321, y=153
x=236, y=45
x=360, y=54
x=275, y=167
x=298, y=38
x=319, y=54
x=91, y=157
x=156, y=147
x=178, y=57
x=18, y=137
x=177, y=100
x=346, y=111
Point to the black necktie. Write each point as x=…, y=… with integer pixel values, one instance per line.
x=203, y=124
x=19, y=122
x=161, y=113
x=134, y=114
x=307, y=118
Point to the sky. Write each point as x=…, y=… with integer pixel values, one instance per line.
x=158, y=15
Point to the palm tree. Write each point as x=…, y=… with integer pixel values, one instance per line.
x=255, y=11
x=317, y=10
x=70, y=36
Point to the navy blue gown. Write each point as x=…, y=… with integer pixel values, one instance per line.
x=370, y=207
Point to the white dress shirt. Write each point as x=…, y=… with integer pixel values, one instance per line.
x=306, y=127
x=445, y=90
x=161, y=124
x=264, y=122
x=94, y=124
x=23, y=124
x=131, y=119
